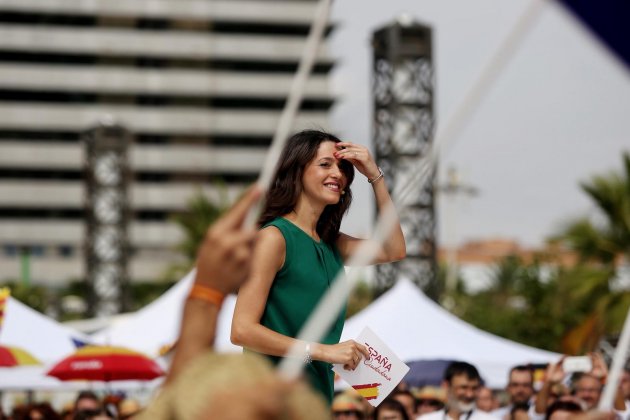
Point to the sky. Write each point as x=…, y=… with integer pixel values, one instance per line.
x=557, y=114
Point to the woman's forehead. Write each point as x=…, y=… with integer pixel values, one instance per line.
x=326, y=149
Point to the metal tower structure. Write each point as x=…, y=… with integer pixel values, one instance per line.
x=107, y=176
x=403, y=132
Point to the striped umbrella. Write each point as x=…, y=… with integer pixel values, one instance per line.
x=15, y=356
x=106, y=363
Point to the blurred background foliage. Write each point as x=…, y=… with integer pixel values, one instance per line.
x=559, y=308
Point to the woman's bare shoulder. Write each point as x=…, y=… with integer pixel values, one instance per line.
x=270, y=246
x=270, y=235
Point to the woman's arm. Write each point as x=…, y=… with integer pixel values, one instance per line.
x=553, y=375
x=247, y=331
x=393, y=248
x=267, y=260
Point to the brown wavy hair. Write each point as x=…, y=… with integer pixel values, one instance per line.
x=286, y=187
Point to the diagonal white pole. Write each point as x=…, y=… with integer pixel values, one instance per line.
x=619, y=359
x=292, y=105
x=332, y=302
x=457, y=121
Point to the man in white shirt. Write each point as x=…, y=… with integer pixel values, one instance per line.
x=461, y=383
x=520, y=389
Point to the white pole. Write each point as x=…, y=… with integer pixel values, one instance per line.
x=457, y=121
x=450, y=194
x=621, y=354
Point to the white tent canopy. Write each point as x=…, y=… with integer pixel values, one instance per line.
x=416, y=328
x=43, y=337
x=156, y=326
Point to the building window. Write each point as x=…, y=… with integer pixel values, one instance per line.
x=66, y=251
x=10, y=250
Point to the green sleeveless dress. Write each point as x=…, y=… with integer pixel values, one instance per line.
x=309, y=269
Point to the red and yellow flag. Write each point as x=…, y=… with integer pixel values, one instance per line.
x=5, y=292
x=367, y=391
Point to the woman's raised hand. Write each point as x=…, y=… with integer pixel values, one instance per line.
x=555, y=374
x=359, y=156
x=225, y=253
x=348, y=353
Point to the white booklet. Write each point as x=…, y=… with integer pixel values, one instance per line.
x=376, y=378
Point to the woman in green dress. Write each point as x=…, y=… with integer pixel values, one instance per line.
x=299, y=251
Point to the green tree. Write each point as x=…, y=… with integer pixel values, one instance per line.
x=537, y=304
x=565, y=309
x=37, y=297
x=360, y=297
x=602, y=241
x=608, y=238
x=200, y=213
x=514, y=305
x=194, y=221
x=145, y=292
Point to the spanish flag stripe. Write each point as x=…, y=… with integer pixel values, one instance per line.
x=367, y=391
x=365, y=386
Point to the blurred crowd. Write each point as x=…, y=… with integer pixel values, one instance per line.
x=87, y=406
x=558, y=395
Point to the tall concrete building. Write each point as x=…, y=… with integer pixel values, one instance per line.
x=199, y=83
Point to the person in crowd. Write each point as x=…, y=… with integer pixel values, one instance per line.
x=67, y=411
x=37, y=411
x=390, y=409
x=461, y=384
x=487, y=400
x=429, y=399
x=408, y=401
x=128, y=408
x=111, y=402
x=203, y=385
x=86, y=401
x=554, y=375
x=346, y=406
x=99, y=414
x=563, y=410
x=299, y=251
x=624, y=383
x=519, y=412
x=402, y=386
x=587, y=388
x=18, y=411
x=520, y=389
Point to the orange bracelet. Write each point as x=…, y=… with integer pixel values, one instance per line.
x=207, y=294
